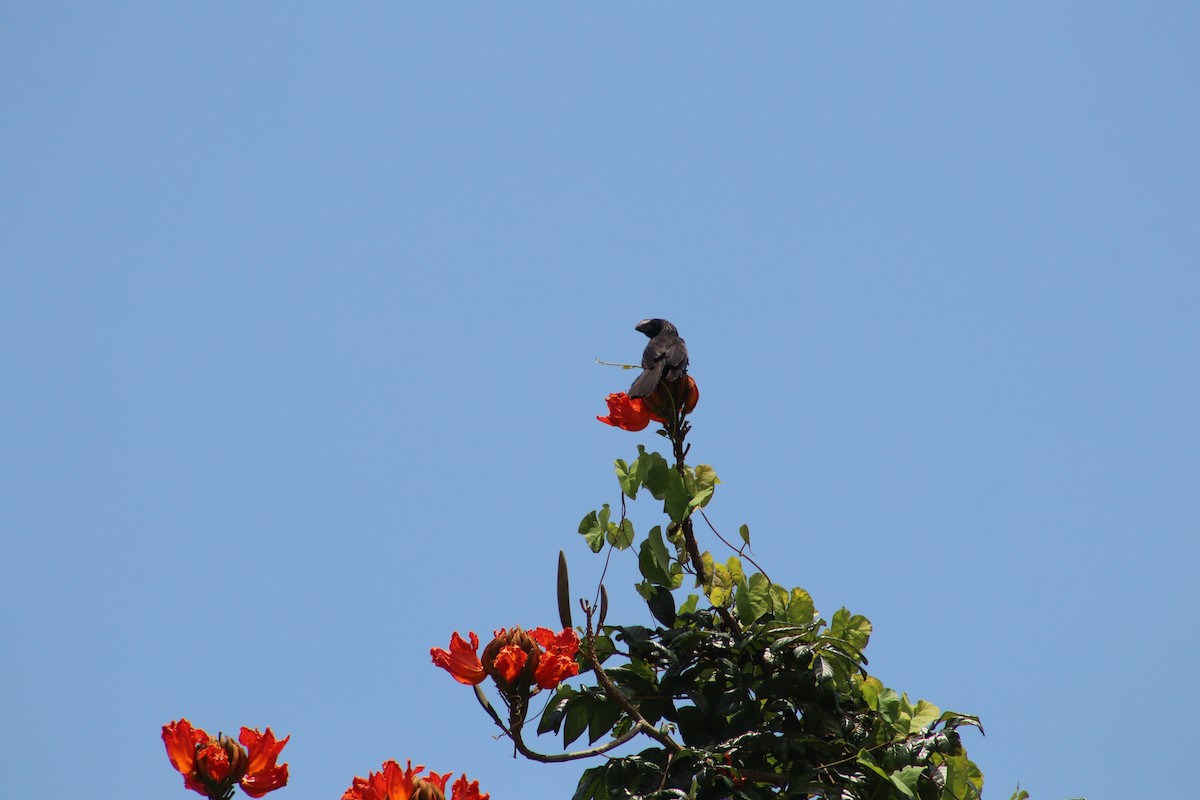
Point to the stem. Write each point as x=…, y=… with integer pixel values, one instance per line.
x=677, y=430
x=614, y=694
x=514, y=733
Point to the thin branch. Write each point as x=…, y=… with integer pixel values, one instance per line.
x=741, y=551
x=614, y=694
x=612, y=364
x=547, y=758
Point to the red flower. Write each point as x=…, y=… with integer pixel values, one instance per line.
x=558, y=660
x=625, y=412
x=390, y=783
x=467, y=791
x=516, y=659
x=182, y=741
x=460, y=660
x=564, y=643
x=509, y=662
x=511, y=658
x=212, y=767
x=262, y=774
x=393, y=783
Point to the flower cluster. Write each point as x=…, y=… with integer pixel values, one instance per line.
x=394, y=783
x=516, y=659
x=667, y=401
x=214, y=766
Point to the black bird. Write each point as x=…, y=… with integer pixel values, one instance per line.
x=664, y=359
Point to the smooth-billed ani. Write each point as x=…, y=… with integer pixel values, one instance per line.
x=665, y=357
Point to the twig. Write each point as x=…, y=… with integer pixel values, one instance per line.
x=611, y=364
x=741, y=551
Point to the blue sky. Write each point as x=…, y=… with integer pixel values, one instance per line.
x=298, y=311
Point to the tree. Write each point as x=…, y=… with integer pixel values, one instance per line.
x=741, y=691
x=751, y=695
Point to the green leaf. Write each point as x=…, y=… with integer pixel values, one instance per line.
x=924, y=715
x=854, y=629
x=662, y=605
x=744, y=532
x=905, y=780
x=721, y=581
x=578, y=716
x=779, y=598
x=865, y=759
x=753, y=598
x=704, y=482
x=592, y=532
x=676, y=499
x=689, y=605
x=629, y=477
x=603, y=718
x=871, y=689
x=654, y=559
x=592, y=785
x=952, y=719
x=701, y=498
x=963, y=780
x=735, y=568
x=655, y=473
x=889, y=705
x=800, y=609
x=555, y=709
x=621, y=536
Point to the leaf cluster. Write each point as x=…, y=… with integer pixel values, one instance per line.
x=752, y=697
x=777, y=710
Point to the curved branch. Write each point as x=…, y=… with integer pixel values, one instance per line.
x=547, y=758
x=614, y=694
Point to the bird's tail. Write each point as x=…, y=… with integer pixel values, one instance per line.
x=646, y=383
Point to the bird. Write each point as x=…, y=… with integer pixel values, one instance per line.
x=664, y=359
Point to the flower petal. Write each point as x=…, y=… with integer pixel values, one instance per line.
x=625, y=412
x=461, y=660
x=467, y=791
x=181, y=740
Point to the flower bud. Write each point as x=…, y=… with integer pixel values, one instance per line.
x=221, y=761
x=669, y=397
x=424, y=790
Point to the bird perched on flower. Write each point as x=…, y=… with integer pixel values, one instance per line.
x=664, y=359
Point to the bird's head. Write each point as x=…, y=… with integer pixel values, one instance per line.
x=653, y=327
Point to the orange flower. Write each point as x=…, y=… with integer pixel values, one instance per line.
x=393, y=783
x=467, y=791
x=390, y=783
x=460, y=660
x=564, y=643
x=625, y=412
x=515, y=659
x=262, y=773
x=182, y=741
x=509, y=661
x=558, y=660
x=511, y=658
x=213, y=766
